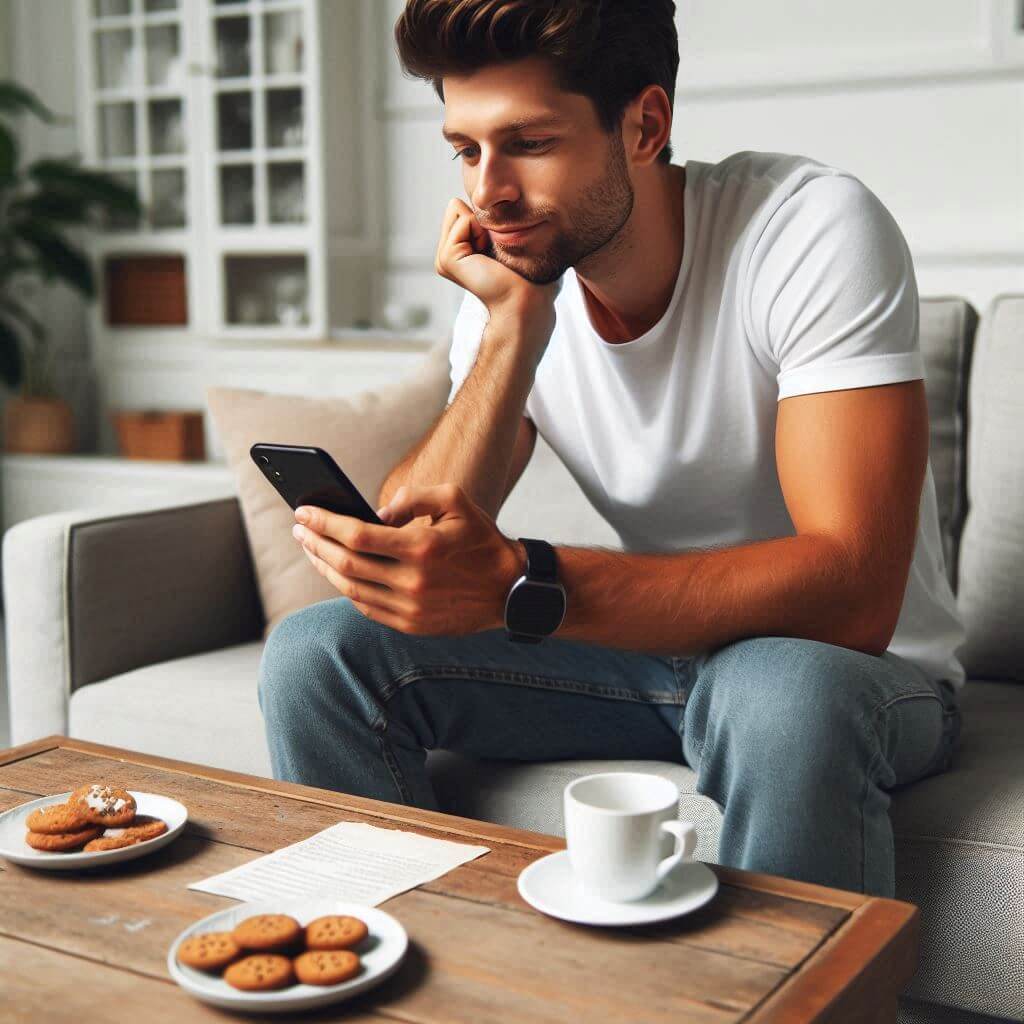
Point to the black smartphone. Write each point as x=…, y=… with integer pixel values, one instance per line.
x=305, y=475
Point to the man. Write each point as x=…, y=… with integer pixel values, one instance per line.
x=725, y=356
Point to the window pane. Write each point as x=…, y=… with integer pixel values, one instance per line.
x=236, y=194
x=167, y=205
x=284, y=118
x=234, y=120
x=287, y=182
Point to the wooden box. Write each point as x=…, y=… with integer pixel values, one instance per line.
x=145, y=291
x=157, y=434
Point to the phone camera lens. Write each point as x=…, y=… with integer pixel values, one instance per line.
x=264, y=460
x=278, y=475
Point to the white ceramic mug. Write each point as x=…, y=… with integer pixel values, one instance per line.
x=614, y=823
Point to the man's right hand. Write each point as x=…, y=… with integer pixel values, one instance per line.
x=461, y=258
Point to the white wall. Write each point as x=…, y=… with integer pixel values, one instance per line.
x=922, y=99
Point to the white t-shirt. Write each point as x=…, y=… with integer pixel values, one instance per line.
x=794, y=279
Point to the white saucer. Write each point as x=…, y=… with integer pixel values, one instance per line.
x=550, y=886
x=13, y=846
x=381, y=953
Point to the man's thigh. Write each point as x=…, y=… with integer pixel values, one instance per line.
x=484, y=695
x=805, y=693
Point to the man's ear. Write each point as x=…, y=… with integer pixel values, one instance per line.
x=647, y=125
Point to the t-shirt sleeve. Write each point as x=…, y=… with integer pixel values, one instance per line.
x=467, y=333
x=831, y=298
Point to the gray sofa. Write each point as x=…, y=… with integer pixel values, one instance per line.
x=143, y=629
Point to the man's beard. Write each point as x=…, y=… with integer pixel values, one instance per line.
x=603, y=209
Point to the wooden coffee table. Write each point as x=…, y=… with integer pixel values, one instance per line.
x=91, y=946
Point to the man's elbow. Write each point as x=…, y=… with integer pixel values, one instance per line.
x=872, y=631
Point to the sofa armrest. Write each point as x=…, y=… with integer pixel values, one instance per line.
x=89, y=594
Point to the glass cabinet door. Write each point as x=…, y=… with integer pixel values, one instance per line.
x=259, y=96
x=140, y=109
x=259, y=102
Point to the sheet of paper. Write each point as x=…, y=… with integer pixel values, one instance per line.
x=349, y=861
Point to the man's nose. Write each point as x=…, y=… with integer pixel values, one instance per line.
x=494, y=184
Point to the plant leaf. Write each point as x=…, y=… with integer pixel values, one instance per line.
x=19, y=312
x=8, y=155
x=16, y=99
x=93, y=187
x=11, y=359
x=57, y=258
x=52, y=206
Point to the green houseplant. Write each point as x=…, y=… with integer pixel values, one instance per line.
x=43, y=205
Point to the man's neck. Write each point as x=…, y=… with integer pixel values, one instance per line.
x=627, y=289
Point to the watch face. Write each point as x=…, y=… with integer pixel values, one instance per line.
x=534, y=607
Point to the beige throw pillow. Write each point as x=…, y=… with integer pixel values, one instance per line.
x=367, y=434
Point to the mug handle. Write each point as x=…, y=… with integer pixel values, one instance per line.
x=686, y=843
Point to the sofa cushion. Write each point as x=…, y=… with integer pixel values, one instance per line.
x=200, y=708
x=947, y=340
x=991, y=582
x=367, y=435
x=960, y=857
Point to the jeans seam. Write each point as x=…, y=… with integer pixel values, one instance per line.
x=869, y=779
x=380, y=728
x=907, y=696
x=939, y=756
x=663, y=697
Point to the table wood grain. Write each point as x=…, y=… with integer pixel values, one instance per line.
x=75, y=945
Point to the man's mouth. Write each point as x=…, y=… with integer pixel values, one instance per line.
x=513, y=235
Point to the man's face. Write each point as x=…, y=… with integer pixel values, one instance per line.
x=566, y=175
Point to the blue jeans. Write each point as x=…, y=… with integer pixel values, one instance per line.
x=797, y=741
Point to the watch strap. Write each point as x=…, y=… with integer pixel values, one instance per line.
x=541, y=562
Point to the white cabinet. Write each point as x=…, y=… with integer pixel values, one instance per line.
x=214, y=109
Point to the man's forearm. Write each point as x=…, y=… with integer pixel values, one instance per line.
x=682, y=603
x=472, y=443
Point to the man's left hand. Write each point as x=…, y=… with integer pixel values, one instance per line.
x=439, y=567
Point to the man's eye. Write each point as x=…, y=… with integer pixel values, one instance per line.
x=530, y=145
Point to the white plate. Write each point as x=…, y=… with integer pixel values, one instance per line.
x=13, y=828
x=550, y=886
x=381, y=952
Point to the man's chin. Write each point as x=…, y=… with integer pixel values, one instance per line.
x=530, y=268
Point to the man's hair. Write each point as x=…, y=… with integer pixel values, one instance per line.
x=607, y=50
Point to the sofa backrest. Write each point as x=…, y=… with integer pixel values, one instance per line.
x=948, y=327
x=991, y=565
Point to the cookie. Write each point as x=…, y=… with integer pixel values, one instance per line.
x=61, y=841
x=327, y=966
x=260, y=972
x=104, y=805
x=142, y=828
x=267, y=931
x=57, y=819
x=335, y=931
x=209, y=951
x=108, y=843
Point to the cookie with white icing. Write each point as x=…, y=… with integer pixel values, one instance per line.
x=105, y=805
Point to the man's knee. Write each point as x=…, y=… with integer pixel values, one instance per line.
x=297, y=653
x=779, y=693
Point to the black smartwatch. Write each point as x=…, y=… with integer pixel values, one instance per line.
x=535, y=606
